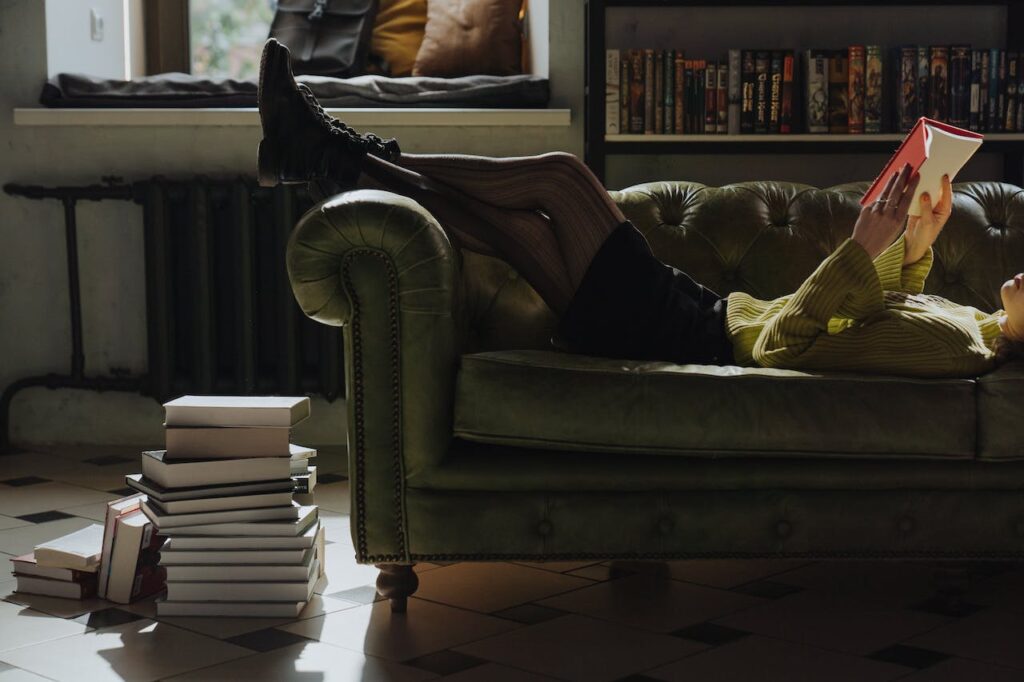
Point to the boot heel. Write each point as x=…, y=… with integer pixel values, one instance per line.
x=267, y=164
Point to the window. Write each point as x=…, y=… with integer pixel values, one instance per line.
x=227, y=36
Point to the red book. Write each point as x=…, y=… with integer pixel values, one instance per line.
x=933, y=149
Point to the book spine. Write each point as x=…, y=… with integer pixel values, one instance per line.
x=923, y=81
x=1010, y=124
x=817, y=91
x=1001, y=94
x=974, y=101
x=855, y=89
x=983, y=107
x=688, y=126
x=733, y=112
x=711, y=97
x=699, y=104
x=786, y=96
x=747, y=85
x=838, y=91
x=874, y=84
x=762, y=68
x=993, y=91
x=670, y=89
x=680, y=83
x=659, y=91
x=623, y=91
x=612, y=72
x=960, y=64
x=722, y=105
x=1019, y=124
x=939, y=83
x=648, y=91
x=774, y=91
x=636, y=91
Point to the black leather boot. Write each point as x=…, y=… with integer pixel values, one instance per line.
x=301, y=141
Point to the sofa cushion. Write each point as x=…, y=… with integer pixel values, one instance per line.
x=1000, y=422
x=563, y=401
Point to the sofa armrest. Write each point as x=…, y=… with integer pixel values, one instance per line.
x=380, y=265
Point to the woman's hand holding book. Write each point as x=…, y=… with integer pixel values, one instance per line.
x=881, y=221
x=923, y=230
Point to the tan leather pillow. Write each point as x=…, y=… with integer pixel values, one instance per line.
x=398, y=33
x=469, y=37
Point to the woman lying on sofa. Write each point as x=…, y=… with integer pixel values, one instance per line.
x=551, y=219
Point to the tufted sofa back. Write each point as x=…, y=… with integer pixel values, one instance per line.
x=763, y=238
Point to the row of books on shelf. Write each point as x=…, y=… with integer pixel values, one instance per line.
x=223, y=519
x=856, y=89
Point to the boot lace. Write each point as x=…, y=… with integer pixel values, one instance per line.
x=368, y=142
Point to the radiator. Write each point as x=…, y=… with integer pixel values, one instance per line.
x=220, y=313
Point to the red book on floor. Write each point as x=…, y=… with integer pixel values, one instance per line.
x=933, y=149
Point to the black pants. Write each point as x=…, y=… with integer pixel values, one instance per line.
x=630, y=305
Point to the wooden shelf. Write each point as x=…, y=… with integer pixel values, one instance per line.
x=802, y=143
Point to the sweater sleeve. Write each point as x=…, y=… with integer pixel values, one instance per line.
x=845, y=284
x=895, y=276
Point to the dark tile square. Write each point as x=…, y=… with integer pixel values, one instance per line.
x=25, y=480
x=911, y=656
x=366, y=594
x=123, y=492
x=951, y=606
x=107, y=460
x=330, y=478
x=529, y=614
x=638, y=678
x=768, y=589
x=266, y=640
x=445, y=662
x=711, y=633
x=107, y=618
x=43, y=517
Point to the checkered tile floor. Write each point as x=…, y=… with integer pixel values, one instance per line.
x=688, y=620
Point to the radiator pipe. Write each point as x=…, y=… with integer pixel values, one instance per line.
x=74, y=290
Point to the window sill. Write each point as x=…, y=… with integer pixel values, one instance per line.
x=250, y=117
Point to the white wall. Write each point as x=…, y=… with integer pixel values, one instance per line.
x=72, y=48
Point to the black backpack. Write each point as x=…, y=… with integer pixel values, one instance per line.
x=326, y=37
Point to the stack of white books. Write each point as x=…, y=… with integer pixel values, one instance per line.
x=222, y=493
x=64, y=567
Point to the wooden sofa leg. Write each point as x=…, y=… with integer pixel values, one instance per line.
x=397, y=582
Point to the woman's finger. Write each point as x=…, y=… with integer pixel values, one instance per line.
x=908, y=195
x=901, y=182
x=884, y=196
x=946, y=202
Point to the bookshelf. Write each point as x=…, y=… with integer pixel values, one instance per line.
x=598, y=146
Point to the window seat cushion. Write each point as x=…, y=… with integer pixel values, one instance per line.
x=169, y=90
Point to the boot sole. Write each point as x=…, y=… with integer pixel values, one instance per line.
x=273, y=64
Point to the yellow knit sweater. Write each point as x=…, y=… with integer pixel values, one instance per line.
x=853, y=314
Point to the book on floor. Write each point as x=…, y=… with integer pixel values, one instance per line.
x=134, y=569
x=115, y=510
x=282, y=609
x=26, y=565
x=215, y=410
x=933, y=149
x=264, y=590
x=164, y=521
x=190, y=473
x=170, y=555
x=80, y=550
x=302, y=539
x=304, y=483
x=155, y=491
x=236, y=572
x=67, y=589
x=211, y=504
x=266, y=529
x=210, y=442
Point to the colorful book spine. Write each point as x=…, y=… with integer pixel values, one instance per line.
x=636, y=91
x=855, y=89
x=680, y=82
x=974, y=92
x=1012, y=66
x=774, y=91
x=906, y=101
x=938, y=101
x=992, y=122
x=612, y=72
x=669, y=60
x=786, y=118
x=688, y=86
x=711, y=97
x=923, y=81
x=874, y=86
x=838, y=91
x=762, y=70
x=623, y=91
x=648, y=91
x=722, y=103
x=748, y=82
x=1001, y=93
x=983, y=103
x=816, y=95
x=960, y=58
x=734, y=92
x=659, y=91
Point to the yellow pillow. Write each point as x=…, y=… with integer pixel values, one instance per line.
x=398, y=32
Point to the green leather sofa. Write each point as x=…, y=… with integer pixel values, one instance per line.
x=471, y=438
